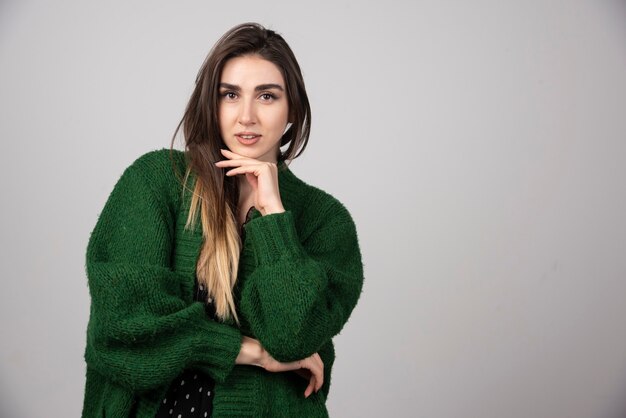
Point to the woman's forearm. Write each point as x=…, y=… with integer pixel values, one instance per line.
x=251, y=352
x=311, y=368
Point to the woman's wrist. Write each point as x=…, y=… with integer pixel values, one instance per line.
x=268, y=210
x=251, y=352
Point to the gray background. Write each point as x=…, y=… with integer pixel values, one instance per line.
x=479, y=146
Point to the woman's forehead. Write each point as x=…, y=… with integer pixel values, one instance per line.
x=250, y=71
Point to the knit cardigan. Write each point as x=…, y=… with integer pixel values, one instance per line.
x=300, y=276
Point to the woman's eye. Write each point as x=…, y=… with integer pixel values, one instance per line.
x=229, y=95
x=267, y=96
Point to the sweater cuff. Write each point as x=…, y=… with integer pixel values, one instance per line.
x=273, y=237
x=216, y=349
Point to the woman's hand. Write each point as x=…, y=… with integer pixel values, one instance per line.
x=262, y=176
x=310, y=368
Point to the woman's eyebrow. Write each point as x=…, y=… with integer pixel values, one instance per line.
x=230, y=86
x=260, y=87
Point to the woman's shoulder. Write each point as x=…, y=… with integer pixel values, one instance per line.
x=314, y=204
x=161, y=170
x=160, y=162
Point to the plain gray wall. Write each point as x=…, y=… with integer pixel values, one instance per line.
x=479, y=146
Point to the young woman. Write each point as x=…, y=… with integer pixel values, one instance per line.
x=217, y=277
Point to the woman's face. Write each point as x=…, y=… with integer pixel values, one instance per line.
x=253, y=109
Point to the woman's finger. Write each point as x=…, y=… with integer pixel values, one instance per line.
x=309, y=389
x=315, y=365
x=310, y=368
x=230, y=163
x=320, y=363
x=318, y=359
x=252, y=169
x=235, y=162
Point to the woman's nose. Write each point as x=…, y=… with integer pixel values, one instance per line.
x=246, y=113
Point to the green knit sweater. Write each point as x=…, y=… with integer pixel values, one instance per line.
x=300, y=276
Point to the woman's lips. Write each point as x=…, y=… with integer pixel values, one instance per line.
x=248, y=139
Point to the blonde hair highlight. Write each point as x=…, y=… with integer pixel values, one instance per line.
x=218, y=261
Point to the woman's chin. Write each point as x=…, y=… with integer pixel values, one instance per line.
x=255, y=153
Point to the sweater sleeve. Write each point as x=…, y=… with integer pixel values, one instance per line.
x=142, y=329
x=300, y=294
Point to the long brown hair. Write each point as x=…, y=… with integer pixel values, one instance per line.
x=215, y=196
